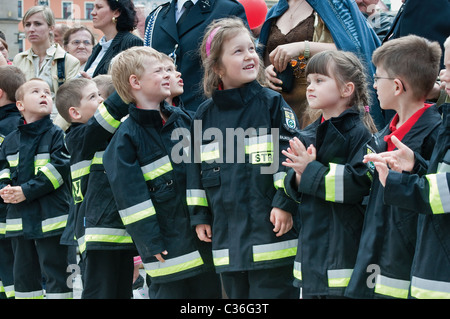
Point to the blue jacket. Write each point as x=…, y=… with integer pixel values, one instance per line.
x=350, y=31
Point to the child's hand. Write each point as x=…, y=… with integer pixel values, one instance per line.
x=204, y=232
x=12, y=194
x=380, y=165
x=402, y=159
x=159, y=257
x=298, y=157
x=282, y=221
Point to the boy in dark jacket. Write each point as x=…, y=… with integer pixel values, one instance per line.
x=11, y=78
x=34, y=184
x=148, y=180
x=389, y=233
x=107, y=250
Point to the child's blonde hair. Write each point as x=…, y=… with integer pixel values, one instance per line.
x=20, y=93
x=345, y=67
x=69, y=95
x=105, y=84
x=414, y=59
x=216, y=34
x=127, y=63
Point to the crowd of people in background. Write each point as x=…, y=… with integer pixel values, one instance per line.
x=90, y=173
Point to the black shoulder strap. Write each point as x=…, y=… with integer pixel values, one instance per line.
x=61, y=70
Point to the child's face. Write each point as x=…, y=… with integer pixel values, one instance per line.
x=89, y=102
x=322, y=92
x=176, y=82
x=37, y=101
x=154, y=82
x=383, y=84
x=445, y=77
x=239, y=61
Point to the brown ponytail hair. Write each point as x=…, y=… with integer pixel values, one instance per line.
x=345, y=67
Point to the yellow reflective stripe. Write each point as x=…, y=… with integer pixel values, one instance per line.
x=210, y=152
x=54, y=223
x=9, y=291
x=429, y=289
x=2, y=228
x=53, y=175
x=14, y=224
x=107, y=235
x=278, y=179
x=80, y=169
x=106, y=120
x=196, y=197
x=334, y=183
x=221, y=257
x=5, y=174
x=137, y=212
x=297, y=270
x=13, y=160
x=81, y=244
x=98, y=158
x=174, y=265
x=439, y=196
x=273, y=251
x=157, y=168
x=40, y=160
x=256, y=144
x=392, y=287
x=38, y=294
x=339, y=277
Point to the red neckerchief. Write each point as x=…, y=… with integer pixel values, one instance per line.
x=323, y=120
x=404, y=129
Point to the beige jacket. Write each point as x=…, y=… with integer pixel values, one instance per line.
x=24, y=61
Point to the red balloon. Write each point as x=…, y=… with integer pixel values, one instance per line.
x=255, y=11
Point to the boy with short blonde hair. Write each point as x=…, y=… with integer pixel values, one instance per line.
x=34, y=171
x=154, y=208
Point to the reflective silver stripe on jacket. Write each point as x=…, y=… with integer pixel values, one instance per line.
x=339, y=277
x=174, y=265
x=392, y=287
x=429, y=289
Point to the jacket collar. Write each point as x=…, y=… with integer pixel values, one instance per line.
x=8, y=110
x=152, y=118
x=38, y=127
x=236, y=98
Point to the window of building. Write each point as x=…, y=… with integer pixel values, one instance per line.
x=88, y=7
x=67, y=10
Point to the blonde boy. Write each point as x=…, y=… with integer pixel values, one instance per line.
x=34, y=167
x=148, y=186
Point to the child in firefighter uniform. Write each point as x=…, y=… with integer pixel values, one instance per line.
x=148, y=179
x=105, y=247
x=429, y=197
x=388, y=239
x=328, y=177
x=34, y=166
x=11, y=78
x=235, y=181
